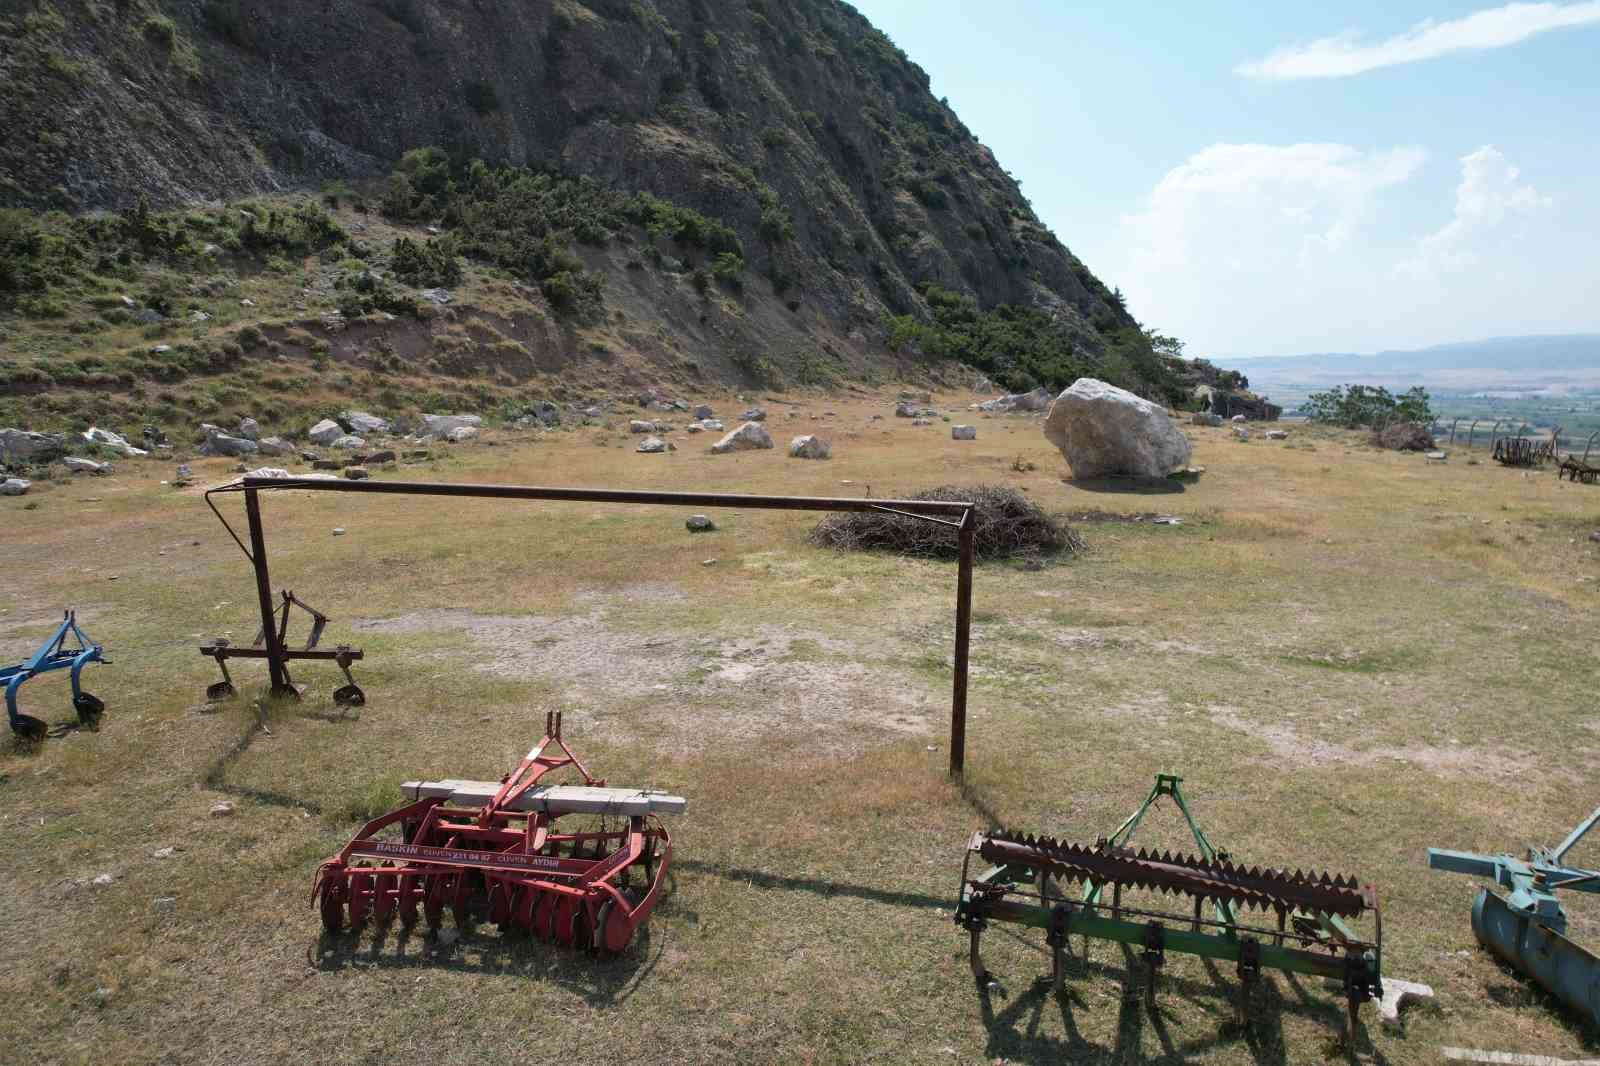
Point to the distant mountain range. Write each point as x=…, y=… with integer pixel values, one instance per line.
x=1560, y=363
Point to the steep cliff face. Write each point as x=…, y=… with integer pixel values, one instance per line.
x=797, y=123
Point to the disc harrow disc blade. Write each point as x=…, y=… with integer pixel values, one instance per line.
x=565, y=919
x=544, y=913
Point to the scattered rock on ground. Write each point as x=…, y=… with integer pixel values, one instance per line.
x=640, y=426
x=748, y=436
x=274, y=446
x=379, y=458
x=461, y=433
x=1205, y=418
x=655, y=445
x=325, y=432
x=922, y=421
x=1104, y=431
x=906, y=410
x=699, y=523
x=356, y=473
x=1240, y=433
x=112, y=440
x=219, y=443
x=1276, y=434
x=810, y=447
x=348, y=441
x=1437, y=457
x=963, y=432
x=222, y=810
x=362, y=422
x=326, y=464
x=755, y=414
x=79, y=465
x=310, y=457
x=1037, y=400
x=703, y=411
x=436, y=296
x=14, y=486
x=249, y=429
x=1238, y=418
x=20, y=445
x=441, y=425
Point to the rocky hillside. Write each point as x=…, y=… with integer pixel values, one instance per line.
x=838, y=215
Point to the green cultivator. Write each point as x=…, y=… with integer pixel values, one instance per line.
x=1026, y=878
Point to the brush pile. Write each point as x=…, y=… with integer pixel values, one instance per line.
x=1403, y=437
x=1009, y=525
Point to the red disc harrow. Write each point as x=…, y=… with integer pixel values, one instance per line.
x=495, y=849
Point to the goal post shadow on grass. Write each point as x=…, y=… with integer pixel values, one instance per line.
x=959, y=514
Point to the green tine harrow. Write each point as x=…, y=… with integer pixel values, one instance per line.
x=1024, y=881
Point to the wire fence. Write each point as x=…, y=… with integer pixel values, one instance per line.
x=1470, y=433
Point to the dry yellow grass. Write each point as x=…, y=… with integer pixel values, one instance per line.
x=1349, y=655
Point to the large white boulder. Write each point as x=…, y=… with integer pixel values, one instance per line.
x=750, y=435
x=325, y=432
x=1103, y=430
x=14, y=486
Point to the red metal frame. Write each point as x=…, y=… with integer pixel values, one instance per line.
x=532, y=875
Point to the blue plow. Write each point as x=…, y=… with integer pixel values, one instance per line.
x=55, y=654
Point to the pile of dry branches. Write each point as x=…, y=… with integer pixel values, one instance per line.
x=1403, y=437
x=1008, y=525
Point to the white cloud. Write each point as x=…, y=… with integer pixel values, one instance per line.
x=1488, y=194
x=1253, y=249
x=1346, y=54
x=1235, y=222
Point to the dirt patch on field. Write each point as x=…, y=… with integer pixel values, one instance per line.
x=690, y=690
x=1296, y=750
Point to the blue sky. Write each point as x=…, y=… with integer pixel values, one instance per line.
x=1269, y=179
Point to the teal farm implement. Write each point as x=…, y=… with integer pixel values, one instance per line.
x=1527, y=929
x=1025, y=877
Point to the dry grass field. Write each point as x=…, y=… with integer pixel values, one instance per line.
x=1348, y=655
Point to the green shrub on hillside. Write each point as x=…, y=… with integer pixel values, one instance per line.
x=427, y=264
x=1022, y=348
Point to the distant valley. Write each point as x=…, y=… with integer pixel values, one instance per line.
x=1549, y=366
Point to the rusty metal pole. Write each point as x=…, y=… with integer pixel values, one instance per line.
x=269, y=630
x=958, y=700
